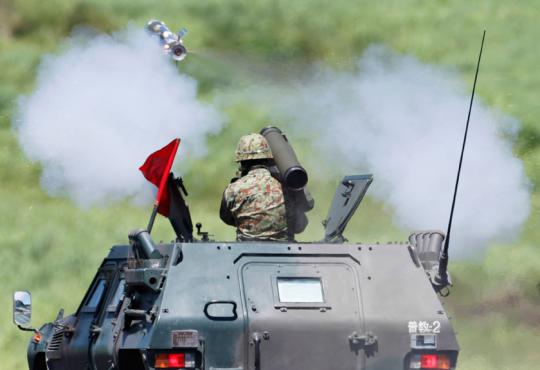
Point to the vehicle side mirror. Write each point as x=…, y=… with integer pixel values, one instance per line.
x=22, y=309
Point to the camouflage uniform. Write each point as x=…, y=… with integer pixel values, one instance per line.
x=257, y=205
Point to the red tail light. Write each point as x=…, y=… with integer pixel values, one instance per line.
x=432, y=361
x=177, y=360
x=174, y=360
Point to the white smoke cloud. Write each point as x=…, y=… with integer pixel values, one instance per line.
x=403, y=121
x=103, y=105
x=100, y=108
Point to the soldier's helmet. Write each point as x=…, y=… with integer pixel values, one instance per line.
x=252, y=146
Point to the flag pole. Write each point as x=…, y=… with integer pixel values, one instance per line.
x=156, y=169
x=152, y=218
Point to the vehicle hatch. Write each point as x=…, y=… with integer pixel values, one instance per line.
x=301, y=316
x=349, y=194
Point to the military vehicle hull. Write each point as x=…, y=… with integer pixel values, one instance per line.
x=254, y=305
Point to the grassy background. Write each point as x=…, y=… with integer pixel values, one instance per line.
x=51, y=248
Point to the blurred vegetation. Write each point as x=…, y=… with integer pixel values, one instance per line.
x=51, y=248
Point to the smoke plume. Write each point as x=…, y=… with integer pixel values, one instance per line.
x=101, y=107
x=404, y=121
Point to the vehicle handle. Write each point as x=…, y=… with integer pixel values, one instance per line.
x=257, y=342
x=232, y=317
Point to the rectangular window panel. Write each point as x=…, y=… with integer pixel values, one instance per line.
x=300, y=290
x=95, y=298
x=119, y=292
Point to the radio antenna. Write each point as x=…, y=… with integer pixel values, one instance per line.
x=441, y=280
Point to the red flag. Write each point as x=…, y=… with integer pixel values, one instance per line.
x=156, y=169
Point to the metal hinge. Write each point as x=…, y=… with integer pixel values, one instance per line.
x=368, y=339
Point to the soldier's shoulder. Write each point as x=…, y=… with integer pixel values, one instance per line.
x=252, y=180
x=231, y=188
x=239, y=184
x=266, y=177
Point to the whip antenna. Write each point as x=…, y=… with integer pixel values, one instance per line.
x=442, y=276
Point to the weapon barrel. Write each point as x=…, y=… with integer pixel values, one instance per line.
x=142, y=240
x=293, y=174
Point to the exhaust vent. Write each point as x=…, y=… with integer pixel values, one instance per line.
x=55, y=345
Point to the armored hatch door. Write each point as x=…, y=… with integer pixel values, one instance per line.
x=301, y=316
x=349, y=194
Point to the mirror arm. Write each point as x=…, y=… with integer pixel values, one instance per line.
x=27, y=329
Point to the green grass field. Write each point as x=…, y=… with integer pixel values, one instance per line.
x=52, y=248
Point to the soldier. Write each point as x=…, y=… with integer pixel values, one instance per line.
x=254, y=202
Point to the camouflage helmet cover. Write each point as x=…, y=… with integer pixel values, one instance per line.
x=252, y=146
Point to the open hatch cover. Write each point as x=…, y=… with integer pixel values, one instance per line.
x=348, y=196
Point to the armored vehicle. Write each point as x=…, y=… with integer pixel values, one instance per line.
x=255, y=305
x=258, y=305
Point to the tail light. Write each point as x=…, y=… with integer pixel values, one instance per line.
x=434, y=361
x=175, y=360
